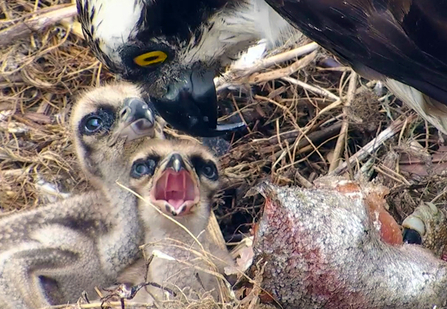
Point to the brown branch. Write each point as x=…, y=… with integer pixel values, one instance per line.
x=37, y=22
x=340, y=145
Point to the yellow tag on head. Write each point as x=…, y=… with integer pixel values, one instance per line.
x=150, y=58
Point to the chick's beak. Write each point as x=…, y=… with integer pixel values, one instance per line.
x=136, y=120
x=190, y=105
x=176, y=163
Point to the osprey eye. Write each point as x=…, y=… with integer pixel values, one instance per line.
x=93, y=124
x=209, y=170
x=139, y=169
x=98, y=121
x=150, y=58
x=143, y=167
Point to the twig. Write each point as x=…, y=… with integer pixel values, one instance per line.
x=314, y=89
x=215, y=232
x=283, y=57
x=340, y=145
x=315, y=137
x=327, y=109
x=437, y=197
x=39, y=21
x=303, y=181
x=373, y=145
x=290, y=136
x=283, y=72
x=97, y=305
x=386, y=171
x=233, y=77
x=74, y=25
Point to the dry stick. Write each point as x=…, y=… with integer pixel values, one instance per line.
x=215, y=232
x=340, y=145
x=292, y=134
x=303, y=181
x=314, y=89
x=97, y=305
x=283, y=57
x=233, y=77
x=385, y=170
x=320, y=91
x=309, y=150
x=30, y=59
x=315, y=137
x=437, y=197
x=39, y=21
x=74, y=25
x=283, y=72
x=373, y=145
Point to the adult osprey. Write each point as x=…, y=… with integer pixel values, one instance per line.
x=174, y=48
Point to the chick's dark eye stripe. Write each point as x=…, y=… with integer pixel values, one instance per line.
x=106, y=114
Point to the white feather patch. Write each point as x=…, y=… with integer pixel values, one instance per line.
x=419, y=102
x=114, y=21
x=235, y=31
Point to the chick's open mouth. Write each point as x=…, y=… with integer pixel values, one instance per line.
x=175, y=192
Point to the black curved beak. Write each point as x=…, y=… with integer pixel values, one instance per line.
x=191, y=106
x=136, y=120
x=176, y=163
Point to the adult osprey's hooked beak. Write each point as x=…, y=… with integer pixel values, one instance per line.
x=191, y=106
x=162, y=50
x=173, y=54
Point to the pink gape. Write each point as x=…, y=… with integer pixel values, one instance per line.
x=178, y=190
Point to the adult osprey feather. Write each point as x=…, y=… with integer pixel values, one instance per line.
x=174, y=48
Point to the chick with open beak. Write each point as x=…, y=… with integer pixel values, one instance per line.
x=179, y=178
x=178, y=181
x=176, y=187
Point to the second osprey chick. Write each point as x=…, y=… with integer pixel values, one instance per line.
x=178, y=181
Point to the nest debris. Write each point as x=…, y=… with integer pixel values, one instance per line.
x=307, y=116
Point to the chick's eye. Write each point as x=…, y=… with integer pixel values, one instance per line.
x=139, y=169
x=93, y=124
x=150, y=58
x=210, y=171
x=143, y=167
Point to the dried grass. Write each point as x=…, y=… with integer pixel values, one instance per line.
x=40, y=74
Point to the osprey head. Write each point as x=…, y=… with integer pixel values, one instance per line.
x=173, y=49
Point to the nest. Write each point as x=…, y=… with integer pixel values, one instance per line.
x=307, y=115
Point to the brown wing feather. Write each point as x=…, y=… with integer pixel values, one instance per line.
x=403, y=39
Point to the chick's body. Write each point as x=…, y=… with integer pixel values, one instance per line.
x=180, y=262
x=52, y=254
